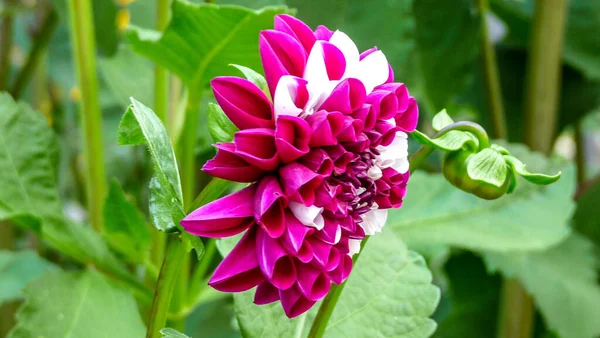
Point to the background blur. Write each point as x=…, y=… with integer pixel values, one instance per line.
x=435, y=47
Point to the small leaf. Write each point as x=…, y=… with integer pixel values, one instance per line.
x=220, y=126
x=168, y=332
x=519, y=168
x=192, y=242
x=488, y=166
x=77, y=304
x=17, y=269
x=450, y=141
x=125, y=229
x=441, y=120
x=165, y=211
x=255, y=78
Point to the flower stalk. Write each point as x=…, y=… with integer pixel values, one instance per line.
x=84, y=52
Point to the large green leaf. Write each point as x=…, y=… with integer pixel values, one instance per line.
x=388, y=294
x=563, y=283
x=447, y=46
x=125, y=228
x=28, y=180
x=202, y=40
x=77, y=304
x=140, y=125
x=17, y=268
x=586, y=219
x=532, y=217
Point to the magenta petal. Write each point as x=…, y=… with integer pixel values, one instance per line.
x=294, y=303
x=281, y=55
x=229, y=166
x=325, y=126
x=400, y=91
x=331, y=232
x=335, y=61
x=407, y=121
x=384, y=102
x=295, y=233
x=312, y=282
x=318, y=161
x=269, y=206
x=239, y=270
x=368, y=52
x=305, y=254
x=325, y=256
x=342, y=271
x=348, y=96
x=274, y=262
x=292, y=135
x=266, y=293
x=323, y=33
x=367, y=114
x=297, y=29
x=299, y=182
x=387, y=131
x=257, y=147
x=243, y=102
x=224, y=217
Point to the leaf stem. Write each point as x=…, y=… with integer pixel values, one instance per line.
x=328, y=305
x=41, y=40
x=491, y=78
x=167, y=279
x=84, y=53
x=542, y=89
x=6, y=39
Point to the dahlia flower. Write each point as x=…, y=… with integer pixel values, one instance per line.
x=325, y=160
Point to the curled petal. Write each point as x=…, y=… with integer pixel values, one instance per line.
x=340, y=157
x=387, y=129
x=243, y=102
x=373, y=221
x=229, y=166
x=292, y=135
x=266, y=293
x=239, y=271
x=274, y=262
x=407, y=120
x=367, y=114
x=325, y=256
x=299, y=182
x=373, y=70
x=310, y=216
x=295, y=234
x=224, y=217
x=347, y=96
x=342, y=270
x=400, y=91
x=257, y=147
x=294, y=303
x=326, y=126
x=318, y=161
x=331, y=233
x=291, y=96
x=297, y=29
x=323, y=33
x=282, y=55
x=312, y=282
x=269, y=206
x=384, y=102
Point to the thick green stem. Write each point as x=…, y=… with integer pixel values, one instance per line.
x=328, y=305
x=40, y=42
x=167, y=279
x=84, y=54
x=6, y=38
x=542, y=92
x=491, y=78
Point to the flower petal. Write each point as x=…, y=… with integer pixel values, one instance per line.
x=296, y=28
x=291, y=96
x=299, y=182
x=292, y=135
x=281, y=55
x=309, y=216
x=312, y=282
x=229, y=166
x=266, y=293
x=257, y=147
x=274, y=262
x=269, y=206
x=294, y=303
x=348, y=96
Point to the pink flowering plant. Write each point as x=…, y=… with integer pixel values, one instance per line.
x=276, y=150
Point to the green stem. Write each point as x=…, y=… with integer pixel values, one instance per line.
x=328, y=305
x=84, y=53
x=167, y=279
x=45, y=32
x=542, y=90
x=472, y=128
x=6, y=38
x=197, y=284
x=491, y=78
x=417, y=159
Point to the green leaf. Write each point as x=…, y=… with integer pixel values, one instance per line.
x=254, y=77
x=519, y=168
x=447, y=47
x=202, y=40
x=77, y=304
x=192, y=242
x=473, y=296
x=168, y=332
x=441, y=120
x=220, y=126
x=125, y=228
x=389, y=294
x=533, y=217
x=141, y=125
x=488, y=166
x=28, y=180
x=562, y=281
x=165, y=210
x=450, y=141
x=17, y=269
x=389, y=290
x=586, y=219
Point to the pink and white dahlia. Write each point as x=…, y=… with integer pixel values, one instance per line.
x=325, y=160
